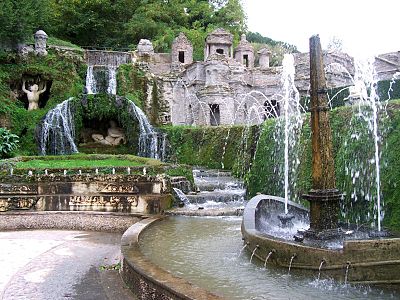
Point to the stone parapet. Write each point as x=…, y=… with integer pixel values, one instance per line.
x=68, y=220
x=116, y=193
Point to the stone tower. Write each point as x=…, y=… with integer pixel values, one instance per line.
x=244, y=53
x=182, y=50
x=264, y=55
x=219, y=42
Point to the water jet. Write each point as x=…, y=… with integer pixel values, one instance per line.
x=319, y=237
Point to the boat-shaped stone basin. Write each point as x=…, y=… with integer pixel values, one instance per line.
x=355, y=258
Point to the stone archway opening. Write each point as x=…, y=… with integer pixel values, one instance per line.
x=30, y=81
x=181, y=57
x=101, y=136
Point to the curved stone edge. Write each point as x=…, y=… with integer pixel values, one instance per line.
x=148, y=281
x=68, y=220
x=362, y=258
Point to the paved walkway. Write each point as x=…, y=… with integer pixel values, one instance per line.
x=54, y=264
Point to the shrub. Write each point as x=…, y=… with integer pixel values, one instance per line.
x=8, y=143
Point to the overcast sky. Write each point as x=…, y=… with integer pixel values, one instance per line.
x=365, y=27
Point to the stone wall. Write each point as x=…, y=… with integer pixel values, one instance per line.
x=388, y=65
x=68, y=220
x=339, y=68
x=113, y=193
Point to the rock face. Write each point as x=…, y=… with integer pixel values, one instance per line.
x=228, y=87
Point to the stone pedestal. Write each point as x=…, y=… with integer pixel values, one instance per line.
x=324, y=213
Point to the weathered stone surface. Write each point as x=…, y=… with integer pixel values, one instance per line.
x=145, y=48
x=72, y=220
x=40, y=43
x=123, y=193
x=387, y=65
x=264, y=55
x=219, y=41
x=182, y=51
x=244, y=53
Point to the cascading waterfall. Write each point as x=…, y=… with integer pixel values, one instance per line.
x=112, y=80
x=91, y=87
x=181, y=195
x=102, y=77
x=151, y=143
x=57, y=132
x=102, y=70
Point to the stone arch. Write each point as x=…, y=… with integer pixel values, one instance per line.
x=16, y=89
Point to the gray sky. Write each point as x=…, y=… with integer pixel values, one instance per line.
x=366, y=27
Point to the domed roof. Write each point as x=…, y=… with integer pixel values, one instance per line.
x=264, y=51
x=220, y=36
x=40, y=33
x=244, y=45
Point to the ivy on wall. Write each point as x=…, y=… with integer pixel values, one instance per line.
x=250, y=153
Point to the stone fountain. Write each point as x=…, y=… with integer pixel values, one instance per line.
x=314, y=240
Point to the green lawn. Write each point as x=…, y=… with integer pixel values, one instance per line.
x=83, y=161
x=65, y=164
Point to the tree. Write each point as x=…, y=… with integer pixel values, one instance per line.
x=277, y=48
x=121, y=24
x=19, y=19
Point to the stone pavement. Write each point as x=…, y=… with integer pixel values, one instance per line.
x=54, y=264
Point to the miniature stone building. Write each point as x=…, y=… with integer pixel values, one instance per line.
x=219, y=41
x=244, y=53
x=263, y=58
x=182, y=50
x=227, y=87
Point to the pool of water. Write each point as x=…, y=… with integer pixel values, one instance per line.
x=206, y=251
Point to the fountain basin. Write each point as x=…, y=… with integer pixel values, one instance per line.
x=367, y=261
x=147, y=280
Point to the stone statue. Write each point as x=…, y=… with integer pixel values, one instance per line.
x=115, y=136
x=40, y=43
x=33, y=95
x=145, y=48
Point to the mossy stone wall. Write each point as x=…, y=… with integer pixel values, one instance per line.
x=239, y=149
x=66, y=74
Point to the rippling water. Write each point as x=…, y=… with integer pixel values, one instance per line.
x=206, y=251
